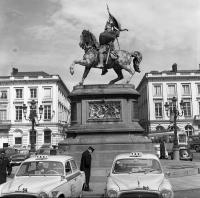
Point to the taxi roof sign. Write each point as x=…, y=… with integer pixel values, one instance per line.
x=41, y=157
x=136, y=154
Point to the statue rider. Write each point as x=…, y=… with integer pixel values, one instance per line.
x=106, y=40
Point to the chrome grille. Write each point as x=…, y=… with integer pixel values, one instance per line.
x=139, y=195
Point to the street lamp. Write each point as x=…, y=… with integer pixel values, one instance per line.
x=32, y=117
x=175, y=113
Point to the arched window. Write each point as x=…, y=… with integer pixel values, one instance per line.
x=160, y=128
x=189, y=130
x=47, y=136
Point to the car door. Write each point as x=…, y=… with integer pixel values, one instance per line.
x=78, y=180
x=71, y=184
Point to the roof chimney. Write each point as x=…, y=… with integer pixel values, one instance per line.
x=14, y=71
x=174, y=67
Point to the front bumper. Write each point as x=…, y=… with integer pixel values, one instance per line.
x=137, y=194
x=20, y=195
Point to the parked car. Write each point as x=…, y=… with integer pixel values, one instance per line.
x=46, y=176
x=185, y=154
x=47, y=151
x=137, y=174
x=194, y=142
x=9, y=151
x=19, y=157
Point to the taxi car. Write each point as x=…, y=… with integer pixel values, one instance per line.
x=137, y=175
x=45, y=176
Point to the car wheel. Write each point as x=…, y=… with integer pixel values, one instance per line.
x=61, y=196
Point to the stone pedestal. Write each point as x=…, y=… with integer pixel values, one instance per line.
x=106, y=118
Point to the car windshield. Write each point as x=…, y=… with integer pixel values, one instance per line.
x=39, y=168
x=136, y=165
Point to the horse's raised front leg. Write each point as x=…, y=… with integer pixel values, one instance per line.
x=80, y=62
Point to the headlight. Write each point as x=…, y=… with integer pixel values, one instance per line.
x=166, y=189
x=54, y=193
x=43, y=195
x=166, y=193
x=112, y=193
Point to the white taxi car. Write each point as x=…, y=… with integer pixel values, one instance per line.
x=45, y=177
x=137, y=175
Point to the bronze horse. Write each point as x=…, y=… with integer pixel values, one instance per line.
x=121, y=60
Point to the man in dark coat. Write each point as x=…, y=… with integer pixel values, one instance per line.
x=162, y=149
x=5, y=167
x=86, y=166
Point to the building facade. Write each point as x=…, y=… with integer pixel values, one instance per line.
x=22, y=88
x=157, y=88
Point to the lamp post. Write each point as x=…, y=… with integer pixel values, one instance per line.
x=175, y=113
x=32, y=117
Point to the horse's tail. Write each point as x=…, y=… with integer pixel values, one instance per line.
x=136, y=60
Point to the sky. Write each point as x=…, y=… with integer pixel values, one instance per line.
x=43, y=35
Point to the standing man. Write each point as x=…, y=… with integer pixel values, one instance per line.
x=5, y=167
x=86, y=160
x=162, y=149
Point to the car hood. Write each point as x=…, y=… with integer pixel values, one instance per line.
x=33, y=184
x=140, y=181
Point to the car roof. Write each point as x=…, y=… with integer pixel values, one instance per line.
x=131, y=156
x=60, y=158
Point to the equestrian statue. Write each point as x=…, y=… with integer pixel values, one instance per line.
x=103, y=55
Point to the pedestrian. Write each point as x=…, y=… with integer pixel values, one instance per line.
x=85, y=166
x=5, y=167
x=162, y=149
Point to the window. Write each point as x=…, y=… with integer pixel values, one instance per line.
x=68, y=169
x=3, y=114
x=47, y=112
x=18, y=110
x=19, y=93
x=171, y=90
x=186, y=89
x=158, y=109
x=18, y=140
x=189, y=130
x=74, y=166
x=157, y=90
x=187, y=109
x=3, y=94
x=47, y=136
x=33, y=92
x=47, y=92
